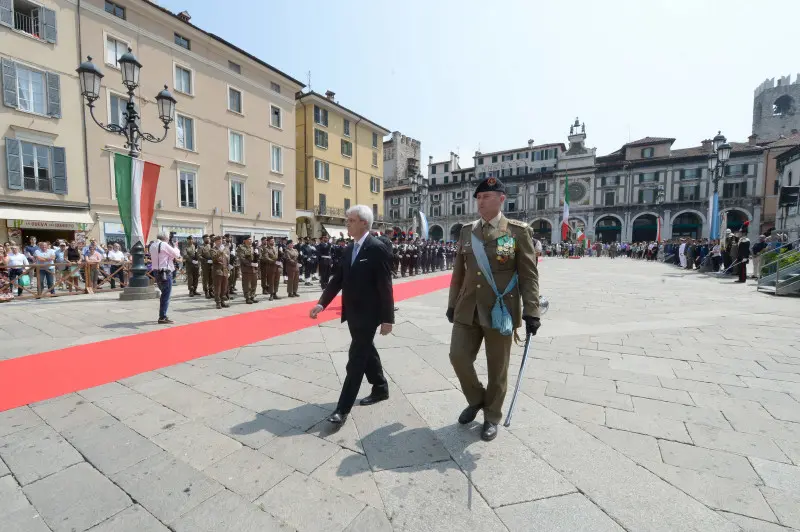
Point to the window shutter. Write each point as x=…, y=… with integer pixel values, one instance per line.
x=10, y=98
x=53, y=95
x=7, y=13
x=50, y=32
x=59, y=156
x=641, y=179
x=14, y=163
x=641, y=196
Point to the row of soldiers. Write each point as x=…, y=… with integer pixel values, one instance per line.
x=414, y=256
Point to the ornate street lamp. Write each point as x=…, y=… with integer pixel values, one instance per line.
x=90, y=79
x=717, y=161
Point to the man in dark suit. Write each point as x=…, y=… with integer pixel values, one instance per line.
x=365, y=279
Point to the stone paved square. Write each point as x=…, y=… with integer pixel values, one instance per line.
x=654, y=400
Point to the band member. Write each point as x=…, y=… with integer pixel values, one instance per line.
x=248, y=258
x=191, y=261
x=220, y=258
x=492, y=251
x=325, y=261
x=291, y=258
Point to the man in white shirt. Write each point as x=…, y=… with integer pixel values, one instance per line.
x=16, y=263
x=45, y=257
x=682, y=253
x=116, y=255
x=163, y=255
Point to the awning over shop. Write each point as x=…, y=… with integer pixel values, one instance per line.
x=334, y=230
x=40, y=218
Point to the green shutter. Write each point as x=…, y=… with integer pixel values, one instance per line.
x=50, y=32
x=7, y=13
x=59, y=156
x=14, y=163
x=53, y=95
x=10, y=98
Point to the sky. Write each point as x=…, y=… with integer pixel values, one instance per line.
x=463, y=75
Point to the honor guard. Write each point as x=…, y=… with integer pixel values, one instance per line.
x=247, y=257
x=191, y=261
x=325, y=261
x=494, y=288
x=271, y=261
x=233, y=265
x=395, y=257
x=205, y=266
x=291, y=259
x=220, y=271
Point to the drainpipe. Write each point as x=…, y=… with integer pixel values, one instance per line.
x=356, y=160
x=83, y=115
x=305, y=154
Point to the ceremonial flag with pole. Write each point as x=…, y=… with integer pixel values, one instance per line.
x=658, y=232
x=565, y=217
x=136, y=182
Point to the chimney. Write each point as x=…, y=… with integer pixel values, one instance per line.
x=706, y=144
x=530, y=143
x=430, y=159
x=752, y=139
x=184, y=16
x=329, y=95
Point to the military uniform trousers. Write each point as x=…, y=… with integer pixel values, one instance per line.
x=464, y=346
x=272, y=274
x=220, y=288
x=267, y=273
x=249, y=281
x=208, y=279
x=192, y=277
x=294, y=279
x=233, y=275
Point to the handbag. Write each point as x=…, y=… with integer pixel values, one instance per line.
x=24, y=280
x=501, y=317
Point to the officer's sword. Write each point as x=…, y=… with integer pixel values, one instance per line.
x=544, y=306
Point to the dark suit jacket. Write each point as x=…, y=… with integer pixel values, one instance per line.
x=366, y=286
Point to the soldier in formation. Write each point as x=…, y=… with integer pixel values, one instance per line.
x=220, y=262
x=191, y=261
x=292, y=265
x=205, y=265
x=233, y=265
x=248, y=258
x=271, y=265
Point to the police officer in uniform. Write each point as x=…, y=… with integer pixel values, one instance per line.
x=325, y=261
x=247, y=256
x=205, y=265
x=220, y=259
x=337, y=252
x=291, y=259
x=191, y=260
x=509, y=250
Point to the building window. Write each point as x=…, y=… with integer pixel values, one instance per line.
x=433, y=181
x=541, y=187
x=433, y=169
x=734, y=190
x=414, y=200
x=275, y=116
x=31, y=90
x=277, y=203
x=776, y=187
x=36, y=167
x=446, y=167
x=347, y=148
x=457, y=209
x=789, y=179
x=541, y=203
x=234, y=100
x=184, y=130
x=374, y=184
x=347, y=177
x=738, y=169
x=480, y=160
x=275, y=87
x=188, y=189
x=236, y=67
x=508, y=157
x=507, y=172
x=115, y=48
x=346, y=204
x=374, y=159
x=647, y=195
x=320, y=116
x=610, y=198
x=183, y=80
x=436, y=210
x=277, y=159
x=446, y=179
x=647, y=153
x=236, y=147
x=322, y=170
x=114, y=9
x=689, y=193
x=346, y=128
x=321, y=138
x=375, y=209
x=482, y=176
x=117, y=109
x=323, y=204
x=183, y=42
x=511, y=205
x=649, y=177
x=237, y=197
x=374, y=140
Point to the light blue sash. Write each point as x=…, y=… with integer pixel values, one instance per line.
x=501, y=317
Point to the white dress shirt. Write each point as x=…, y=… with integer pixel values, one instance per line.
x=17, y=260
x=163, y=260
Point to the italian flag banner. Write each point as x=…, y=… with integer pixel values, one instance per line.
x=565, y=217
x=137, y=181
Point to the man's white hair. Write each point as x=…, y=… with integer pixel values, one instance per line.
x=364, y=213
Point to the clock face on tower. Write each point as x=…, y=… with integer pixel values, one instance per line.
x=577, y=191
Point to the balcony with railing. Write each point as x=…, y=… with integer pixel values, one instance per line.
x=28, y=23
x=330, y=212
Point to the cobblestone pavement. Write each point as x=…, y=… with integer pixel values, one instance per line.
x=655, y=400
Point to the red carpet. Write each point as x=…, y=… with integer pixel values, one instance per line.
x=46, y=375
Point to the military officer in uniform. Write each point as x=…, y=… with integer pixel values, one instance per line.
x=205, y=265
x=233, y=264
x=247, y=256
x=220, y=259
x=511, y=262
x=325, y=261
x=270, y=259
x=191, y=260
x=291, y=257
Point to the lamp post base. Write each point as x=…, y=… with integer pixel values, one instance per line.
x=135, y=293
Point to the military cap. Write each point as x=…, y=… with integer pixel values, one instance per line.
x=490, y=184
x=248, y=237
x=205, y=236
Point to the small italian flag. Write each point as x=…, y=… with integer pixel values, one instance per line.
x=565, y=217
x=137, y=181
x=581, y=235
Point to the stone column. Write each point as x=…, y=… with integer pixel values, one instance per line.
x=666, y=225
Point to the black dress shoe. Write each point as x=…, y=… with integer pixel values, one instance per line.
x=469, y=413
x=373, y=398
x=489, y=431
x=337, y=418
